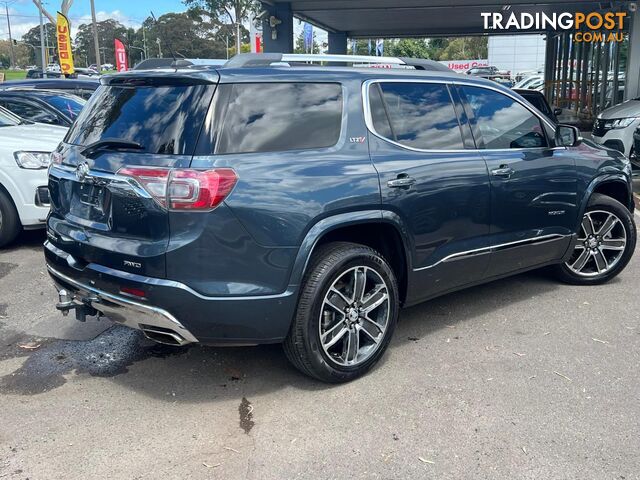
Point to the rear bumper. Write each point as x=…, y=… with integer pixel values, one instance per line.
x=156, y=323
x=167, y=304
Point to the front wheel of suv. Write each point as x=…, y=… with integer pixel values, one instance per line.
x=347, y=312
x=605, y=244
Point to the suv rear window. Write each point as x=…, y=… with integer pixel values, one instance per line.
x=163, y=119
x=270, y=117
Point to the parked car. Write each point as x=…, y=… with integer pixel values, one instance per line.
x=530, y=82
x=25, y=149
x=43, y=106
x=522, y=75
x=89, y=72
x=81, y=88
x=327, y=199
x=538, y=100
x=37, y=73
x=615, y=126
x=490, y=72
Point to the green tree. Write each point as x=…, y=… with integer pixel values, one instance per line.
x=408, y=47
x=32, y=41
x=461, y=48
x=435, y=46
x=108, y=30
x=227, y=12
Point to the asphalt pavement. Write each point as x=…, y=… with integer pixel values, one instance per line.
x=523, y=378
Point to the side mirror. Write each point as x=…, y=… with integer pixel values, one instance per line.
x=567, y=136
x=557, y=111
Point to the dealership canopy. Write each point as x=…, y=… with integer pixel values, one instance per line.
x=428, y=18
x=398, y=18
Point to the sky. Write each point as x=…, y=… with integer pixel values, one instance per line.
x=23, y=14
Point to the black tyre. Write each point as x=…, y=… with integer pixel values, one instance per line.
x=606, y=242
x=9, y=220
x=347, y=312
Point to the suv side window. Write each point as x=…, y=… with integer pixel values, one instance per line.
x=503, y=122
x=270, y=117
x=21, y=108
x=415, y=114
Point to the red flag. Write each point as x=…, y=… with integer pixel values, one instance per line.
x=121, y=56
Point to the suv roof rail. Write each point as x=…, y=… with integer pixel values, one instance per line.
x=278, y=59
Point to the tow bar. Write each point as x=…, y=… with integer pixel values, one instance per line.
x=82, y=306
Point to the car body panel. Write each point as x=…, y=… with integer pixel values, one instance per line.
x=233, y=275
x=22, y=183
x=620, y=139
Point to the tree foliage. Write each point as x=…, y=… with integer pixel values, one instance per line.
x=31, y=39
x=408, y=47
x=84, y=50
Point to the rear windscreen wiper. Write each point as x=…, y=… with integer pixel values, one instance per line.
x=110, y=144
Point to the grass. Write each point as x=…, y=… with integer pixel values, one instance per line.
x=20, y=74
x=14, y=74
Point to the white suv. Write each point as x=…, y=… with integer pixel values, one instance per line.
x=614, y=127
x=25, y=148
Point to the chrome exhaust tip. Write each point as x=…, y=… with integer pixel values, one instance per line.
x=162, y=335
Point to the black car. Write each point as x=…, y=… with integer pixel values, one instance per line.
x=83, y=88
x=259, y=203
x=43, y=106
x=538, y=100
x=37, y=73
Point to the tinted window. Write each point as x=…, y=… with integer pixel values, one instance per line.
x=503, y=122
x=22, y=109
x=66, y=104
x=163, y=119
x=537, y=101
x=268, y=117
x=420, y=115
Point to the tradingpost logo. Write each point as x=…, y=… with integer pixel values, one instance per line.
x=588, y=27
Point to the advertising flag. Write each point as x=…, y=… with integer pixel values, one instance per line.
x=63, y=37
x=121, y=56
x=308, y=37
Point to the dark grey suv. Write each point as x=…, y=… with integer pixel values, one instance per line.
x=300, y=204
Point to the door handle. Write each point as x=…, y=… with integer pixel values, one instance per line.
x=504, y=171
x=401, y=182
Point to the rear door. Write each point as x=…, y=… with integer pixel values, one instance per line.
x=533, y=183
x=432, y=177
x=100, y=216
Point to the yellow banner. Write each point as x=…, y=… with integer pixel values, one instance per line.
x=63, y=36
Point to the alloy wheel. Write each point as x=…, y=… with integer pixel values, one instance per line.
x=354, y=316
x=600, y=245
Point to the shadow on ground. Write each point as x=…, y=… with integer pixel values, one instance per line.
x=202, y=374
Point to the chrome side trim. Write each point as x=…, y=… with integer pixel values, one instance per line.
x=109, y=180
x=493, y=248
x=150, y=315
x=368, y=119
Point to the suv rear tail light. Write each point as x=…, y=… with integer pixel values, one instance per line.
x=184, y=188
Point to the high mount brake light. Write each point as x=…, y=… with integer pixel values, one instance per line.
x=184, y=188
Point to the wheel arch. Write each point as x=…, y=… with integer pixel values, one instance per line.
x=381, y=230
x=615, y=186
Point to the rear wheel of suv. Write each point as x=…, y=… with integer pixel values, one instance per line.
x=9, y=221
x=346, y=315
x=606, y=241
